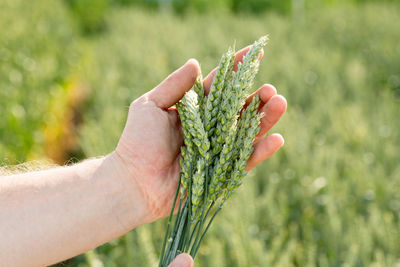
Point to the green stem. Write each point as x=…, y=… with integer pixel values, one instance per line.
x=169, y=221
x=203, y=210
x=205, y=231
x=181, y=240
x=178, y=235
x=192, y=235
x=187, y=232
x=172, y=236
x=197, y=224
x=178, y=216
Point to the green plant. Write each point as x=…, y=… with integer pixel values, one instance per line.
x=211, y=171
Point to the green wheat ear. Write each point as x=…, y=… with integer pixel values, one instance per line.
x=192, y=123
x=249, y=126
x=199, y=90
x=211, y=105
x=188, y=152
x=194, y=127
x=235, y=94
x=195, y=137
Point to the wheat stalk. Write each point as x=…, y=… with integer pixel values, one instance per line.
x=218, y=143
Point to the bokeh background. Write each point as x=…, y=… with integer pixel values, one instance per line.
x=329, y=197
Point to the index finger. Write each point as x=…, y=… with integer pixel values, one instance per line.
x=238, y=58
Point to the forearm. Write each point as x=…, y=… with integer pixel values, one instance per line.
x=51, y=215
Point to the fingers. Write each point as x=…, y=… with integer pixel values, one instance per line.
x=264, y=149
x=238, y=58
x=273, y=106
x=266, y=92
x=182, y=260
x=273, y=111
x=172, y=89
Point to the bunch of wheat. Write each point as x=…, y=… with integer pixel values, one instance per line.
x=218, y=139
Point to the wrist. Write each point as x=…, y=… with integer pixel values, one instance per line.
x=125, y=201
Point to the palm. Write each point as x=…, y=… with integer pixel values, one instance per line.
x=151, y=142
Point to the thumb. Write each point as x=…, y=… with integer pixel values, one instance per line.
x=172, y=89
x=182, y=260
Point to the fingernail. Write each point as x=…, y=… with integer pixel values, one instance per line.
x=192, y=60
x=281, y=137
x=194, y=65
x=271, y=86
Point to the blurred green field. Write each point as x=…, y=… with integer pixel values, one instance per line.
x=34, y=60
x=330, y=197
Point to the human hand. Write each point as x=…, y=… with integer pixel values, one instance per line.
x=182, y=260
x=148, y=151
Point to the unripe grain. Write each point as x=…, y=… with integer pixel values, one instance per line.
x=235, y=94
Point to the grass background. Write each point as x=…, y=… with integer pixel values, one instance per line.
x=329, y=197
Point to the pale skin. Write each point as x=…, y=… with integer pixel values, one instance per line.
x=49, y=216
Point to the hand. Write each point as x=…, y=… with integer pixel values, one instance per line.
x=182, y=260
x=149, y=148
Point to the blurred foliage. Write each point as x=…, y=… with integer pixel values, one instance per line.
x=89, y=14
x=36, y=52
x=259, y=6
x=328, y=198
